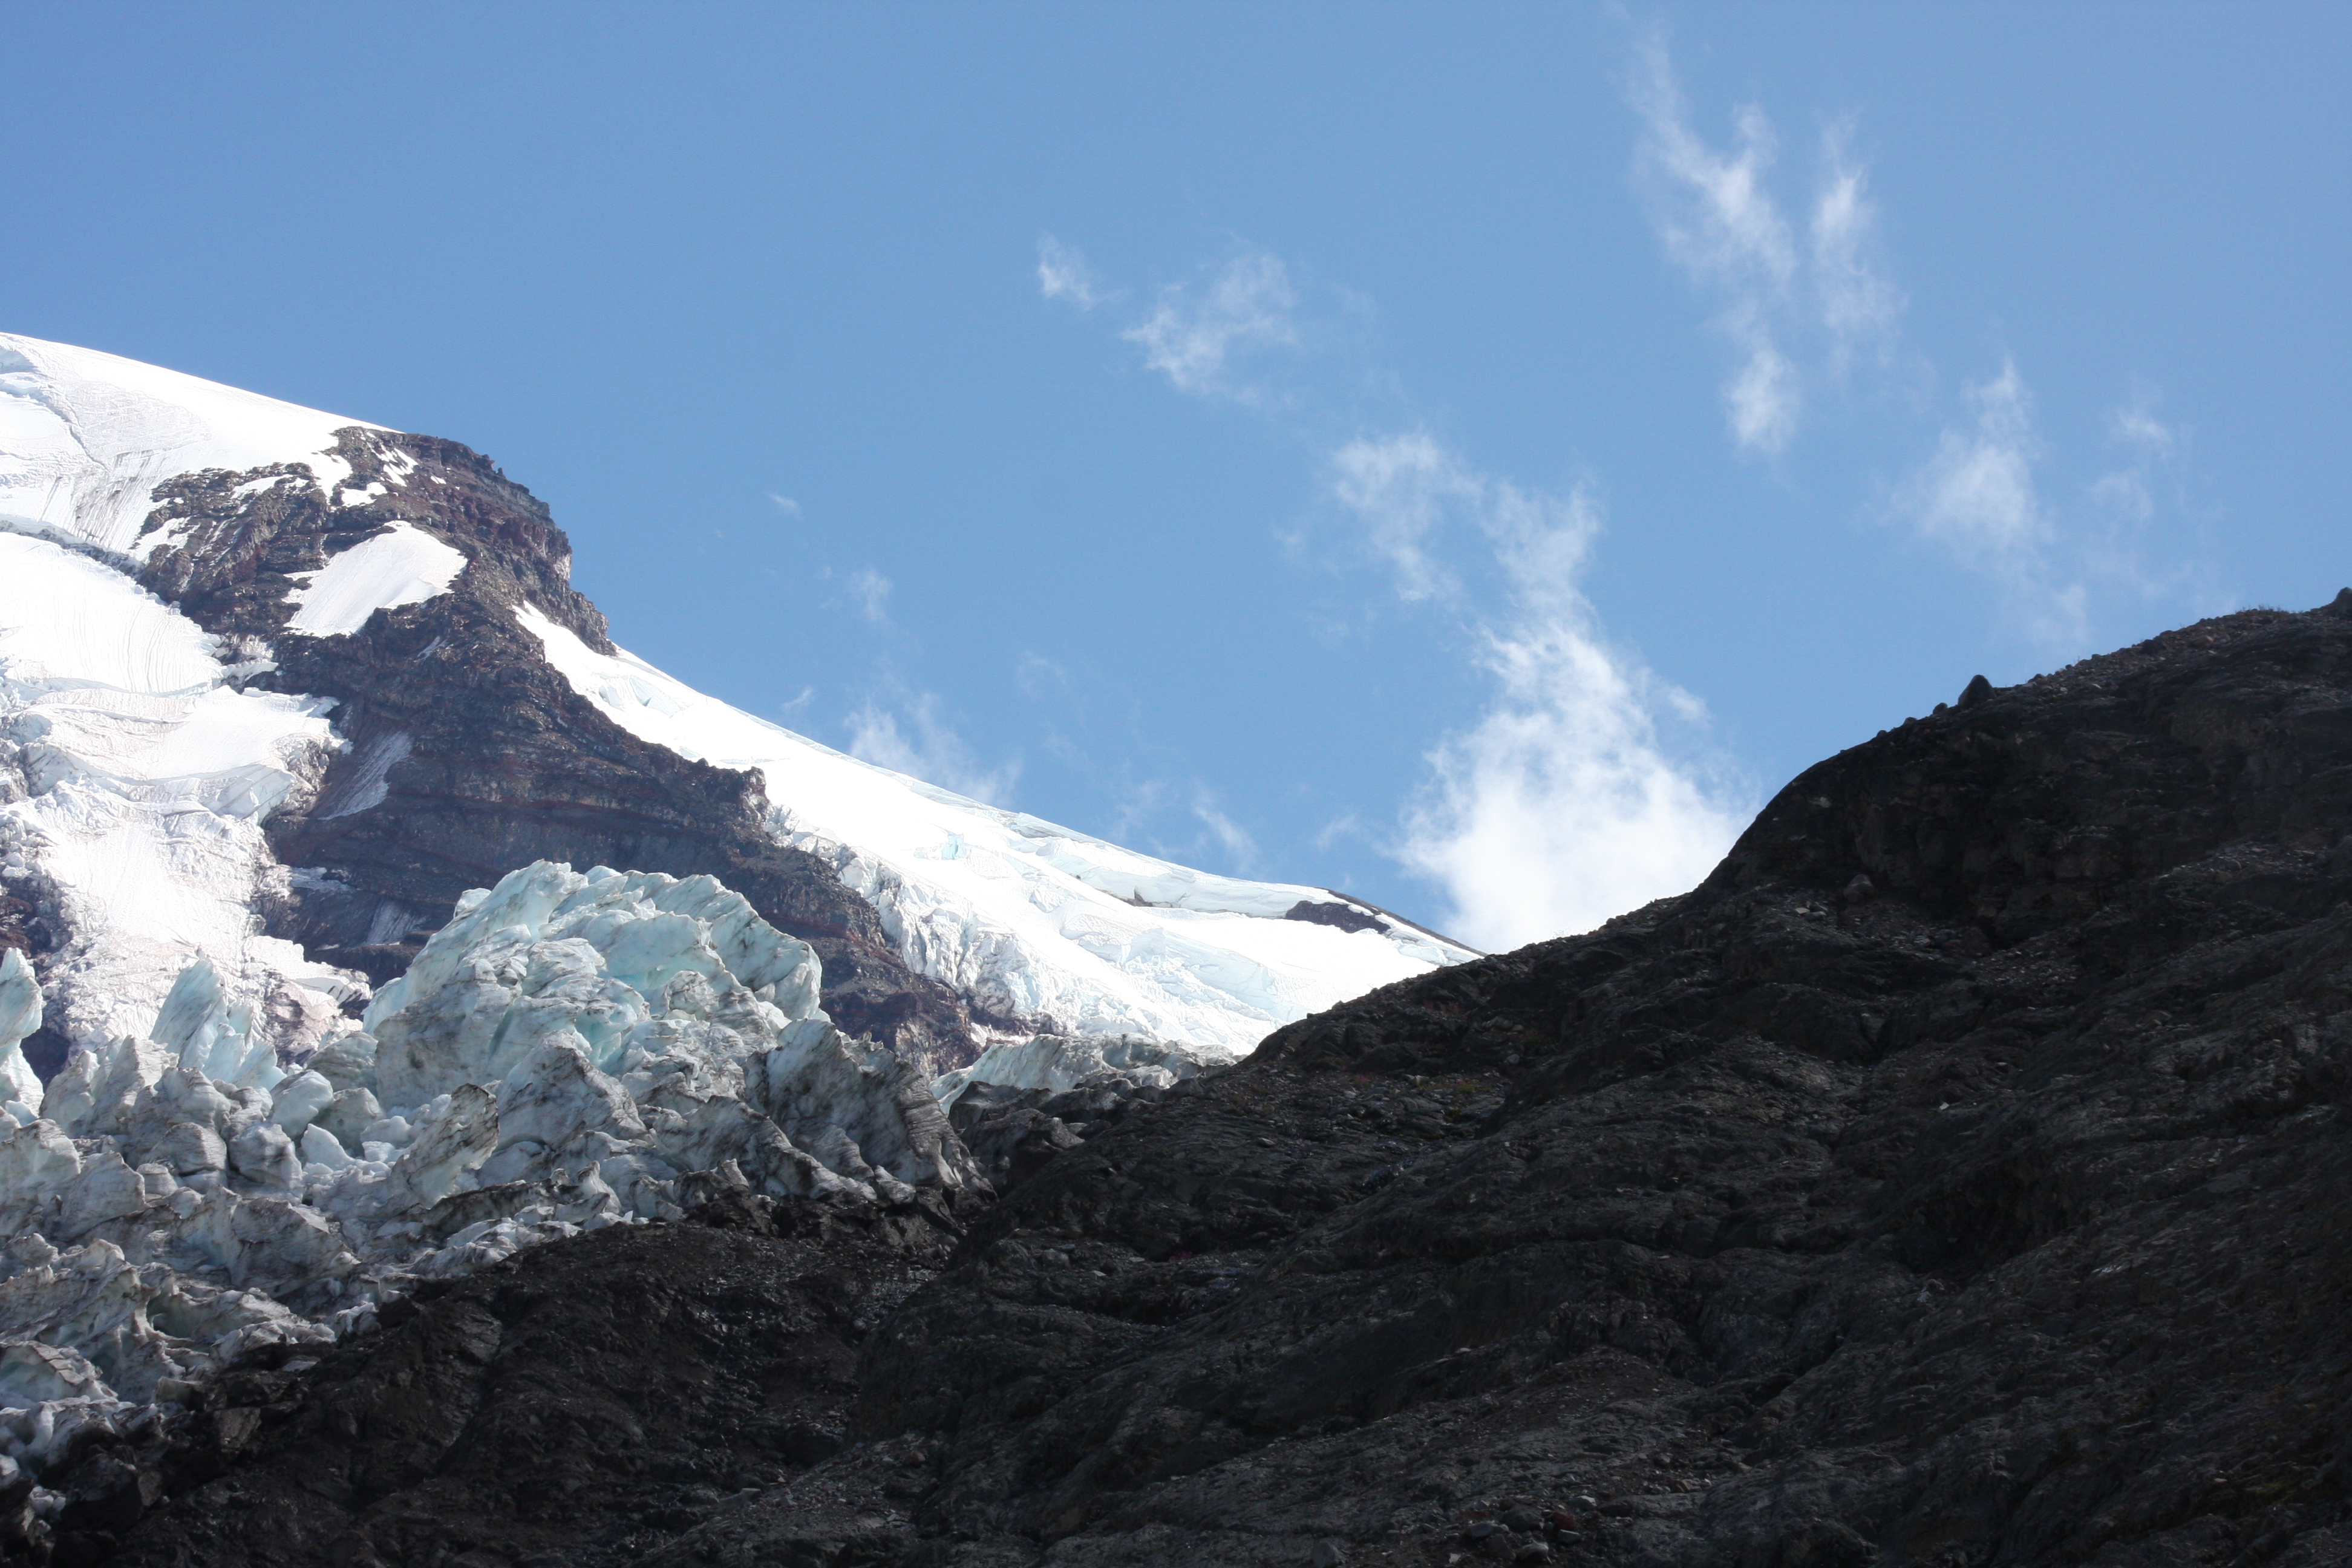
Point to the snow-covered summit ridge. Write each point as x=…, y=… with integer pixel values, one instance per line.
x=85, y=437
x=1031, y=919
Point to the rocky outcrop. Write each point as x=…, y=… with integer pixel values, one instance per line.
x=467, y=755
x=543, y=1412
x=1956, y=1177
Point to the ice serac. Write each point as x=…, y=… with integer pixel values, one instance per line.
x=573, y=1050
x=1058, y=1062
x=20, y=1015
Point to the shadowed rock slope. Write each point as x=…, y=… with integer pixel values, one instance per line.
x=1962, y=1176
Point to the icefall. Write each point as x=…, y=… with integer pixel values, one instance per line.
x=573, y=1050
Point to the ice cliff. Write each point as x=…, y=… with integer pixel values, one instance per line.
x=573, y=1050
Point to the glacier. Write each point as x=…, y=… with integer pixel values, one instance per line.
x=134, y=778
x=573, y=1050
x=247, y=1146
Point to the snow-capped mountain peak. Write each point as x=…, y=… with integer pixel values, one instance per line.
x=277, y=686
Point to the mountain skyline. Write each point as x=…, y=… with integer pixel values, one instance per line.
x=1314, y=451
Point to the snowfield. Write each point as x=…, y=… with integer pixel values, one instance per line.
x=144, y=780
x=85, y=437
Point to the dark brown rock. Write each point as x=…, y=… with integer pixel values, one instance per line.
x=579, y=1404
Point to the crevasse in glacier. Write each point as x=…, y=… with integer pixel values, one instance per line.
x=575, y=1049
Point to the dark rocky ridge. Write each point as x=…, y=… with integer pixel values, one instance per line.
x=592, y=1399
x=469, y=754
x=1959, y=1176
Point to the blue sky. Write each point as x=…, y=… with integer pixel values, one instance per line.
x=1468, y=456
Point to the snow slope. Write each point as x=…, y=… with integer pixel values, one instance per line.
x=85, y=437
x=140, y=779
x=1030, y=918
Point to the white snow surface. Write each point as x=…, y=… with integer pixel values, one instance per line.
x=402, y=566
x=134, y=779
x=574, y=1050
x=1030, y=918
x=85, y=437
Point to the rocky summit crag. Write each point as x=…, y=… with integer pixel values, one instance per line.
x=1960, y=1176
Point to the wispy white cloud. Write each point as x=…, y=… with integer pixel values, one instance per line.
x=1401, y=490
x=1063, y=274
x=872, y=592
x=1763, y=397
x=1339, y=829
x=1719, y=222
x=1194, y=341
x=1859, y=307
x=1977, y=499
x=1229, y=836
x=1038, y=676
x=2130, y=496
x=798, y=704
x=2136, y=426
x=1976, y=496
x=1562, y=805
x=785, y=504
x=2126, y=494
x=927, y=747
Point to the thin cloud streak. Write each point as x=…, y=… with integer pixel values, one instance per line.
x=1859, y=308
x=1063, y=274
x=1720, y=225
x=1229, y=836
x=1194, y=341
x=928, y=748
x=872, y=592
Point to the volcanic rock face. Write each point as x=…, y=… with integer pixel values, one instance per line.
x=572, y=1404
x=1957, y=1176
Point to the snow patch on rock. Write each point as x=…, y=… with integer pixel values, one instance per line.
x=404, y=565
